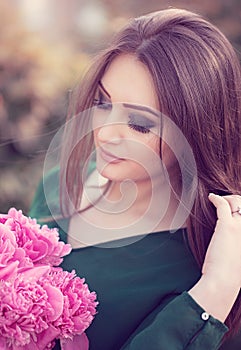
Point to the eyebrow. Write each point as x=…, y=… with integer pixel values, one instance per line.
x=129, y=105
x=141, y=108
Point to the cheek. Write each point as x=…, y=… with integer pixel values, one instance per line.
x=95, y=127
x=99, y=118
x=144, y=152
x=95, y=135
x=154, y=144
x=98, y=121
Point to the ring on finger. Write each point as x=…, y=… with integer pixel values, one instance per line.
x=237, y=211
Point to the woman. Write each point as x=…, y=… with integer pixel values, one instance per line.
x=161, y=108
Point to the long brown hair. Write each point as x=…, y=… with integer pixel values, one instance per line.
x=197, y=79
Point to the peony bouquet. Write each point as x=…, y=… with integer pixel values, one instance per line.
x=39, y=302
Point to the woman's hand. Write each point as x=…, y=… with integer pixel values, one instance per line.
x=220, y=283
x=223, y=257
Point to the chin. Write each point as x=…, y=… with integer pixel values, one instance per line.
x=111, y=172
x=120, y=172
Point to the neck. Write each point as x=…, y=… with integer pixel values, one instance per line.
x=153, y=200
x=148, y=205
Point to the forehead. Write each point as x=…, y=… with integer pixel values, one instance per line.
x=129, y=80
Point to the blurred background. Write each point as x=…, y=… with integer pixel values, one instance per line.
x=45, y=46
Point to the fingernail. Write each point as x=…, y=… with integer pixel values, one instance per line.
x=212, y=194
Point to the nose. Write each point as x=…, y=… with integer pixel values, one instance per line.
x=110, y=130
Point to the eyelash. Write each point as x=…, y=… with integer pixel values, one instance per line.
x=137, y=127
x=132, y=124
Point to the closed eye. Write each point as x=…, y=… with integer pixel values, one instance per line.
x=140, y=123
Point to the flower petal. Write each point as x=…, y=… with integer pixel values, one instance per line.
x=43, y=340
x=46, y=337
x=79, y=342
x=34, y=273
x=9, y=271
x=56, y=299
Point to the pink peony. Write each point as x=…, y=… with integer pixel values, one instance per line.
x=22, y=305
x=12, y=257
x=78, y=305
x=39, y=301
x=41, y=244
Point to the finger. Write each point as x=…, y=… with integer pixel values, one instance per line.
x=234, y=202
x=222, y=206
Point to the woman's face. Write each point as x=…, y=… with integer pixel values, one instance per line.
x=126, y=122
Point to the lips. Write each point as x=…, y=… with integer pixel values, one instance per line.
x=109, y=157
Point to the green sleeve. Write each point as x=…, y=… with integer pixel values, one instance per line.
x=181, y=324
x=46, y=205
x=46, y=201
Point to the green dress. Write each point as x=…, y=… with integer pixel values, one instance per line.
x=141, y=289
